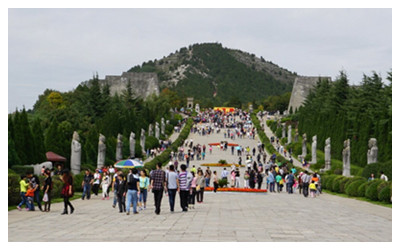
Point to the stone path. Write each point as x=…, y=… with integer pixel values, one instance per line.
x=222, y=217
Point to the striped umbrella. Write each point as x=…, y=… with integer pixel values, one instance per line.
x=129, y=163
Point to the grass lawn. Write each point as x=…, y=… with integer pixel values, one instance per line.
x=359, y=198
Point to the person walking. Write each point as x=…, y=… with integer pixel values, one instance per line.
x=158, y=185
x=131, y=191
x=104, y=185
x=172, y=186
x=192, y=191
x=185, y=179
x=87, y=184
x=96, y=182
x=34, y=180
x=207, y=176
x=120, y=189
x=259, y=179
x=23, y=185
x=200, y=184
x=290, y=182
x=215, y=181
x=305, y=179
x=47, y=187
x=67, y=190
x=144, y=185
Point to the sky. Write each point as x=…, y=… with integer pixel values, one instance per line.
x=60, y=48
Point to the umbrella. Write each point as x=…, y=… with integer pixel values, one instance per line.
x=129, y=163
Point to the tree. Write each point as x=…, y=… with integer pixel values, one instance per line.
x=23, y=137
x=38, y=138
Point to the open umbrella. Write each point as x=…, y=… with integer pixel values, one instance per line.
x=129, y=163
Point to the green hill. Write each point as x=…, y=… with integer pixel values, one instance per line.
x=215, y=75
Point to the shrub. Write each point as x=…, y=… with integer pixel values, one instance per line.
x=13, y=189
x=376, y=169
x=328, y=183
x=343, y=183
x=383, y=185
x=222, y=182
x=352, y=188
x=278, y=133
x=57, y=187
x=372, y=190
x=151, y=142
x=78, y=182
x=18, y=169
x=361, y=189
x=222, y=161
x=355, y=178
x=386, y=194
x=336, y=184
x=338, y=171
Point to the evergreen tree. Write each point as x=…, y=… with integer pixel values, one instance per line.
x=24, y=143
x=38, y=138
x=13, y=158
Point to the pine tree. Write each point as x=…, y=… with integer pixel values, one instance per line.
x=38, y=138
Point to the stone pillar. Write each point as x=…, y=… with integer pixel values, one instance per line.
x=327, y=150
x=304, y=146
x=143, y=140
x=346, y=158
x=162, y=126
x=197, y=108
x=101, y=155
x=132, y=145
x=157, y=131
x=150, y=129
x=75, y=154
x=289, y=134
x=118, y=151
x=372, y=154
x=296, y=136
x=283, y=130
x=314, y=150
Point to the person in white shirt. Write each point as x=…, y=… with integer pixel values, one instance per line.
x=383, y=176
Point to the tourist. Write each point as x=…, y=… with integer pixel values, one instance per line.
x=172, y=186
x=185, y=179
x=59, y=170
x=132, y=190
x=279, y=182
x=120, y=188
x=252, y=179
x=144, y=185
x=207, y=176
x=305, y=179
x=23, y=185
x=215, y=181
x=383, y=176
x=192, y=191
x=104, y=185
x=313, y=189
x=87, y=184
x=237, y=178
x=96, y=182
x=30, y=193
x=47, y=187
x=259, y=179
x=200, y=184
x=114, y=185
x=233, y=177
x=371, y=178
x=315, y=179
x=67, y=190
x=158, y=185
x=290, y=181
x=300, y=185
x=246, y=179
x=36, y=186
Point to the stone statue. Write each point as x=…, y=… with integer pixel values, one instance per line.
x=118, y=151
x=328, y=154
x=296, y=136
x=162, y=126
x=314, y=150
x=157, y=131
x=346, y=158
x=142, y=140
x=372, y=155
x=197, y=108
x=167, y=122
x=132, y=144
x=289, y=134
x=75, y=154
x=101, y=156
x=283, y=130
x=304, y=146
x=150, y=129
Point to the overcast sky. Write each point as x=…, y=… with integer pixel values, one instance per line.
x=60, y=48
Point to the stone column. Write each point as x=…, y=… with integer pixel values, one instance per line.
x=132, y=145
x=289, y=134
x=101, y=156
x=346, y=158
x=314, y=150
x=143, y=140
x=157, y=131
x=162, y=126
x=150, y=129
x=372, y=154
x=327, y=150
x=75, y=154
x=304, y=146
x=283, y=130
x=118, y=151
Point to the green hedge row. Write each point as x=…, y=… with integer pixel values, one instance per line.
x=377, y=190
x=165, y=156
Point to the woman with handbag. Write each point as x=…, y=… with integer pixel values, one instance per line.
x=192, y=191
x=200, y=183
x=47, y=191
x=67, y=191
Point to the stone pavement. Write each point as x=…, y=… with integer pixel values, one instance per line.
x=222, y=217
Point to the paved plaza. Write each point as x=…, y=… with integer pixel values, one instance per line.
x=222, y=217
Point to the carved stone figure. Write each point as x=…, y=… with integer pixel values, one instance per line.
x=142, y=140
x=327, y=150
x=151, y=129
x=346, y=158
x=118, y=151
x=296, y=136
x=167, y=122
x=372, y=155
x=162, y=126
x=197, y=108
x=132, y=144
x=101, y=155
x=157, y=131
x=314, y=150
x=289, y=134
x=304, y=145
x=283, y=130
x=75, y=154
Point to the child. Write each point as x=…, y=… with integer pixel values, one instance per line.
x=23, y=185
x=313, y=189
x=295, y=185
x=105, y=183
x=29, y=195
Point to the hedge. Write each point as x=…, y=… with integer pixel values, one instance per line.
x=352, y=188
x=354, y=179
x=372, y=191
x=386, y=194
x=376, y=168
x=336, y=184
x=18, y=169
x=343, y=183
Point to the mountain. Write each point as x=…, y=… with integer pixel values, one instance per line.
x=215, y=75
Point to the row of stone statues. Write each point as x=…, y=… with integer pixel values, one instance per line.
x=101, y=156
